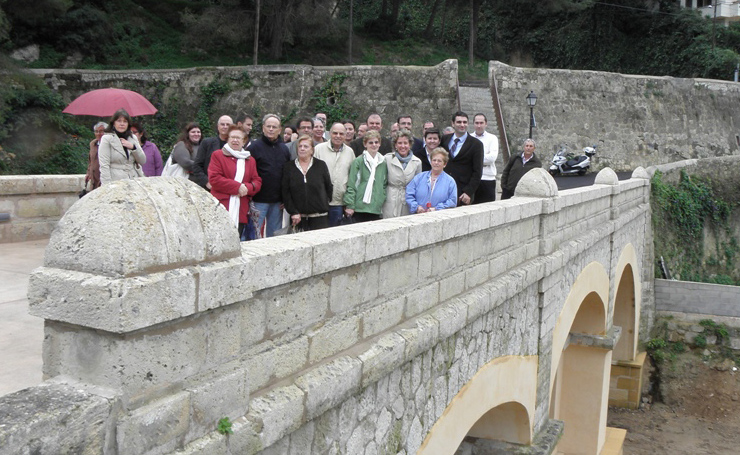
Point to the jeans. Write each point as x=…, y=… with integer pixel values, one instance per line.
x=335, y=214
x=271, y=215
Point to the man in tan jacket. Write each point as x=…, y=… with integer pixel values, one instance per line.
x=338, y=158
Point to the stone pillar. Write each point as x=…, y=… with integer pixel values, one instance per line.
x=130, y=302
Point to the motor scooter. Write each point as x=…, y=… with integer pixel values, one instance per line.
x=566, y=163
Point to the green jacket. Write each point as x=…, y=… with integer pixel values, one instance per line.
x=359, y=175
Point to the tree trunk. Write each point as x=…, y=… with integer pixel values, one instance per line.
x=256, y=34
x=396, y=9
x=428, y=30
x=384, y=8
x=473, y=27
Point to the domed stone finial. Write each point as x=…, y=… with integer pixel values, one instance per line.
x=132, y=227
x=606, y=176
x=640, y=173
x=537, y=183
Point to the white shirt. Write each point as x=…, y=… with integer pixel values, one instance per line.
x=490, y=153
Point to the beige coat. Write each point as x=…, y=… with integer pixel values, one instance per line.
x=338, y=164
x=398, y=178
x=113, y=162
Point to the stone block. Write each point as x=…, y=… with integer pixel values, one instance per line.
x=295, y=307
x=382, y=316
x=455, y=223
x=399, y=272
x=38, y=207
x=442, y=258
x=54, y=418
x=382, y=239
x=422, y=299
x=352, y=287
x=275, y=261
x=451, y=317
x=211, y=278
x=328, y=385
x=382, y=357
x=253, y=321
x=17, y=184
x=451, y=286
x=421, y=334
x=326, y=246
x=422, y=230
x=280, y=412
x=160, y=425
x=59, y=183
x=476, y=275
x=223, y=329
x=221, y=394
x=246, y=439
x=333, y=338
x=209, y=444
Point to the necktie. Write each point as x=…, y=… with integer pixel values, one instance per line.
x=454, y=147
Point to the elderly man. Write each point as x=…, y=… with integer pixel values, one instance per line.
x=338, y=158
x=206, y=149
x=487, y=189
x=518, y=165
x=466, y=158
x=270, y=155
x=374, y=122
x=305, y=126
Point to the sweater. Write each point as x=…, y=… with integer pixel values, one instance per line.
x=310, y=195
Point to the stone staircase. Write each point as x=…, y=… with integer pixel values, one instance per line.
x=475, y=98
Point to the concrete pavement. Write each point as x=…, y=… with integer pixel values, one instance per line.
x=21, y=335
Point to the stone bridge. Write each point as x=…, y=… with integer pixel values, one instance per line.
x=492, y=328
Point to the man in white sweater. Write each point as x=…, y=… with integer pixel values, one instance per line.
x=338, y=158
x=486, y=191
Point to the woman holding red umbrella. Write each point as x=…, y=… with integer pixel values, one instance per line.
x=119, y=153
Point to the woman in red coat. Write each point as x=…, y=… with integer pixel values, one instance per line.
x=233, y=176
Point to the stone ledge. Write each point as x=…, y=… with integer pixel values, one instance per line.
x=543, y=444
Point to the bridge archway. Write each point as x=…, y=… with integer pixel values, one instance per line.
x=627, y=301
x=497, y=403
x=579, y=375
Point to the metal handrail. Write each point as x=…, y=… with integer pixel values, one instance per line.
x=504, y=141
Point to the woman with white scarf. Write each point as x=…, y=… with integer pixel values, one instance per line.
x=368, y=177
x=233, y=176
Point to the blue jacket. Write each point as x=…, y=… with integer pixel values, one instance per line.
x=419, y=189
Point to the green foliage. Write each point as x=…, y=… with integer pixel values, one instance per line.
x=700, y=341
x=209, y=95
x=718, y=330
x=224, y=426
x=331, y=99
x=680, y=214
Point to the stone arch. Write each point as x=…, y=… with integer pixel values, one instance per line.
x=497, y=403
x=579, y=373
x=627, y=300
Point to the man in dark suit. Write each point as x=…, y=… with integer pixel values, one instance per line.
x=206, y=149
x=466, y=158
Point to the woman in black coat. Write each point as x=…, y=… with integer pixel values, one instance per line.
x=307, y=188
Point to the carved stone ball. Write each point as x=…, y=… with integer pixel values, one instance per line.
x=144, y=225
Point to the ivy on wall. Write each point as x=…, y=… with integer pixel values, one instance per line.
x=330, y=99
x=680, y=214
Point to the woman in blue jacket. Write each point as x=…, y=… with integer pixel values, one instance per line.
x=432, y=190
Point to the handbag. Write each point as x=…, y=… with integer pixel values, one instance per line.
x=172, y=169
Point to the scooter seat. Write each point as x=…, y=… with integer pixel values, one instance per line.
x=576, y=160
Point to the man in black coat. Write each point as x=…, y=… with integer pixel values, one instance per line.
x=206, y=149
x=466, y=158
x=374, y=122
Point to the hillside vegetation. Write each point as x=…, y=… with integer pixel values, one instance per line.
x=629, y=36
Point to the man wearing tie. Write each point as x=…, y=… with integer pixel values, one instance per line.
x=466, y=158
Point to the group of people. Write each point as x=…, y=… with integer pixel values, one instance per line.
x=320, y=176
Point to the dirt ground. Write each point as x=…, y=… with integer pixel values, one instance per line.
x=694, y=409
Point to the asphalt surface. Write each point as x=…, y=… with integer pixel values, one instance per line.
x=566, y=182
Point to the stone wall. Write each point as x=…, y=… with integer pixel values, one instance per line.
x=342, y=340
x=423, y=92
x=35, y=203
x=634, y=120
x=697, y=298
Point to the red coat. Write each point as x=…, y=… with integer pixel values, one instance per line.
x=221, y=172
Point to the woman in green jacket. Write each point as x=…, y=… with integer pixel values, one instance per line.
x=368, y=176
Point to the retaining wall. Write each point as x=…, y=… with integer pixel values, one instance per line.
x=697, y=298
x=35, y=204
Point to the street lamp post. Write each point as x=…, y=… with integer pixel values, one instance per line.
x=531, y=101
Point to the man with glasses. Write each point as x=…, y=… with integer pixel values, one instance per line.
x=270, y=154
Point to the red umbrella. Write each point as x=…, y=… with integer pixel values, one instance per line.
x=105, y=102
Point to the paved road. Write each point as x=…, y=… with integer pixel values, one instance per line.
x=566, y=182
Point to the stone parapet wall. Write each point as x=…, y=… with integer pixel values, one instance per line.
x=287, y=90
x=634, y=120
x=343, y=340
x=35, y=204
x=697, y=298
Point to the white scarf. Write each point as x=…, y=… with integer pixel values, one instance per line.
x=234, y=200
x=372, y=164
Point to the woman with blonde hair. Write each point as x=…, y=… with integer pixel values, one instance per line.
x=368, y=176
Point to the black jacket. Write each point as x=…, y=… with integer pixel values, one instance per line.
x=515, y=170
x=270, y=158
x=209, y=145
x=310, y=196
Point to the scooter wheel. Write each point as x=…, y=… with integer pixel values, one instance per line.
x=582, y=172
x=553, y=172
